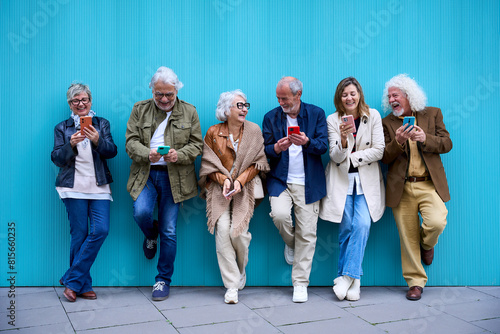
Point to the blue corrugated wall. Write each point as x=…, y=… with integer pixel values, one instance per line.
x=451, y=47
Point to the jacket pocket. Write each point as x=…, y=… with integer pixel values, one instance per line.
x=181, y=131
x=145, y=132
x=187, y=180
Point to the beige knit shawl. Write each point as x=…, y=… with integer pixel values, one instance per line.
x=250, y=151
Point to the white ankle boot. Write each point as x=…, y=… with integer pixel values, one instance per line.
x=354, y=291
x=341, y=285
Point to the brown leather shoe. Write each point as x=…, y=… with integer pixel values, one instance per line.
x=414, y=293
x=70, y=295
x=88, y=295
x=427, y=255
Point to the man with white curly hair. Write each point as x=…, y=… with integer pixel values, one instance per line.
x=416, y=182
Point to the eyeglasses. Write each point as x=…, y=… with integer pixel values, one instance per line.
x=75, y=102
x=240, y=105
x=160, y=96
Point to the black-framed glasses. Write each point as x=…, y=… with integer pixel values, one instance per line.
x=75, y=102
x=240, y=105
x=160, y=96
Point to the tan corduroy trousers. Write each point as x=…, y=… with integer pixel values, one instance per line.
x=418, y=197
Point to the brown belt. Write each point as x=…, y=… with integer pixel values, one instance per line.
x=417, y=179
x=160, y=167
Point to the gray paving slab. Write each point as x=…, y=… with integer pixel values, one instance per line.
x=338, y=325
x=35, y=317
x=157, y=327
x=46, y=329
x=439, y=324
x=493, y=325
x=253, y=325
x=211, y=314
x=477, y=310
x=300, y=312
x=114, y=316
x=369, y=296
x=387, y=312
x=490, y=290
x=26, y=301
x=26, y=290
x=183, y=299
x=435, y=296
x=106, y=298
x=271, y=296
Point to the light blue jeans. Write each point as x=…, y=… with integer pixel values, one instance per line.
x=353, y=235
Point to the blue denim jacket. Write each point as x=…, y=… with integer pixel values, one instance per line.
x=312, y=122
x=64, y=156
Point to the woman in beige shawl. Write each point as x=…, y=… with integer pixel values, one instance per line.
x=233, y=154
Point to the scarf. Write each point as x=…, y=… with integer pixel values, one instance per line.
x=250, y=151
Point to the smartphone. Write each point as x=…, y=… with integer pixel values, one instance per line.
x=163, y=149
x=230, y=193
x=409, y=120
x=293, y=129
x=349, y=120
x=85, y=121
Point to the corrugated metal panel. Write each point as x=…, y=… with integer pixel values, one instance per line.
x=450, y=47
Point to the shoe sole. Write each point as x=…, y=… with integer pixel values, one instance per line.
x=299, y=300
x=230, y=301
x=88, y=298
x=159, y=299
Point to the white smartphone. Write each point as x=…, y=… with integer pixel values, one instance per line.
x=230, y=193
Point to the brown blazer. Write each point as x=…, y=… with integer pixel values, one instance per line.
x=437, y=141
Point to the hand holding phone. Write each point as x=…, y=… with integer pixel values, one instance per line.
x=163, y=149
x=293, y=130
x=349, y=120
x=409, y=120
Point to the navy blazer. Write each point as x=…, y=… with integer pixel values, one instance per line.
x=64, y=156
x=312, y=122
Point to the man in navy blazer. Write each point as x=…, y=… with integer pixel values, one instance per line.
x=297, y=176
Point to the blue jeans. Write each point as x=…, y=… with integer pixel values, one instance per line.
x=353, y=235
x=86, y=239
x=158, y=189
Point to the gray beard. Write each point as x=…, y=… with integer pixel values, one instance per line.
x=397, y=114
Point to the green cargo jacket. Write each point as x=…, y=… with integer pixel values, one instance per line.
x=183, y=133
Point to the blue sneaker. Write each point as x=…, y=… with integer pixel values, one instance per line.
x=160, y=291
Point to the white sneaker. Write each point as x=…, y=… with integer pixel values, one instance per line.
x=231, y=296
x=354, y=291
x=299, y=294
x=341, y=285
x=289, y=253
x=243, y=281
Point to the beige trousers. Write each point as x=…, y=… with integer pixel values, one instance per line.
x=418, y=197
x=232, y=253
x=302, y=236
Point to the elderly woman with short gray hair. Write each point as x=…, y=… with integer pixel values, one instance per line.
x=233, y=155
x=83, y=181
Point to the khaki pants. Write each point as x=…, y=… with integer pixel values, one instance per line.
x=232, y=253
x=418, y=197
x=302, y=236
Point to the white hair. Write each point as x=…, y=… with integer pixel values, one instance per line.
x=225, y=101
x=167, y=76
x=408, y=86
x=77, y=88
x=294, y=84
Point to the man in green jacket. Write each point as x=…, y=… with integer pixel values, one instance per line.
x=157, y=176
